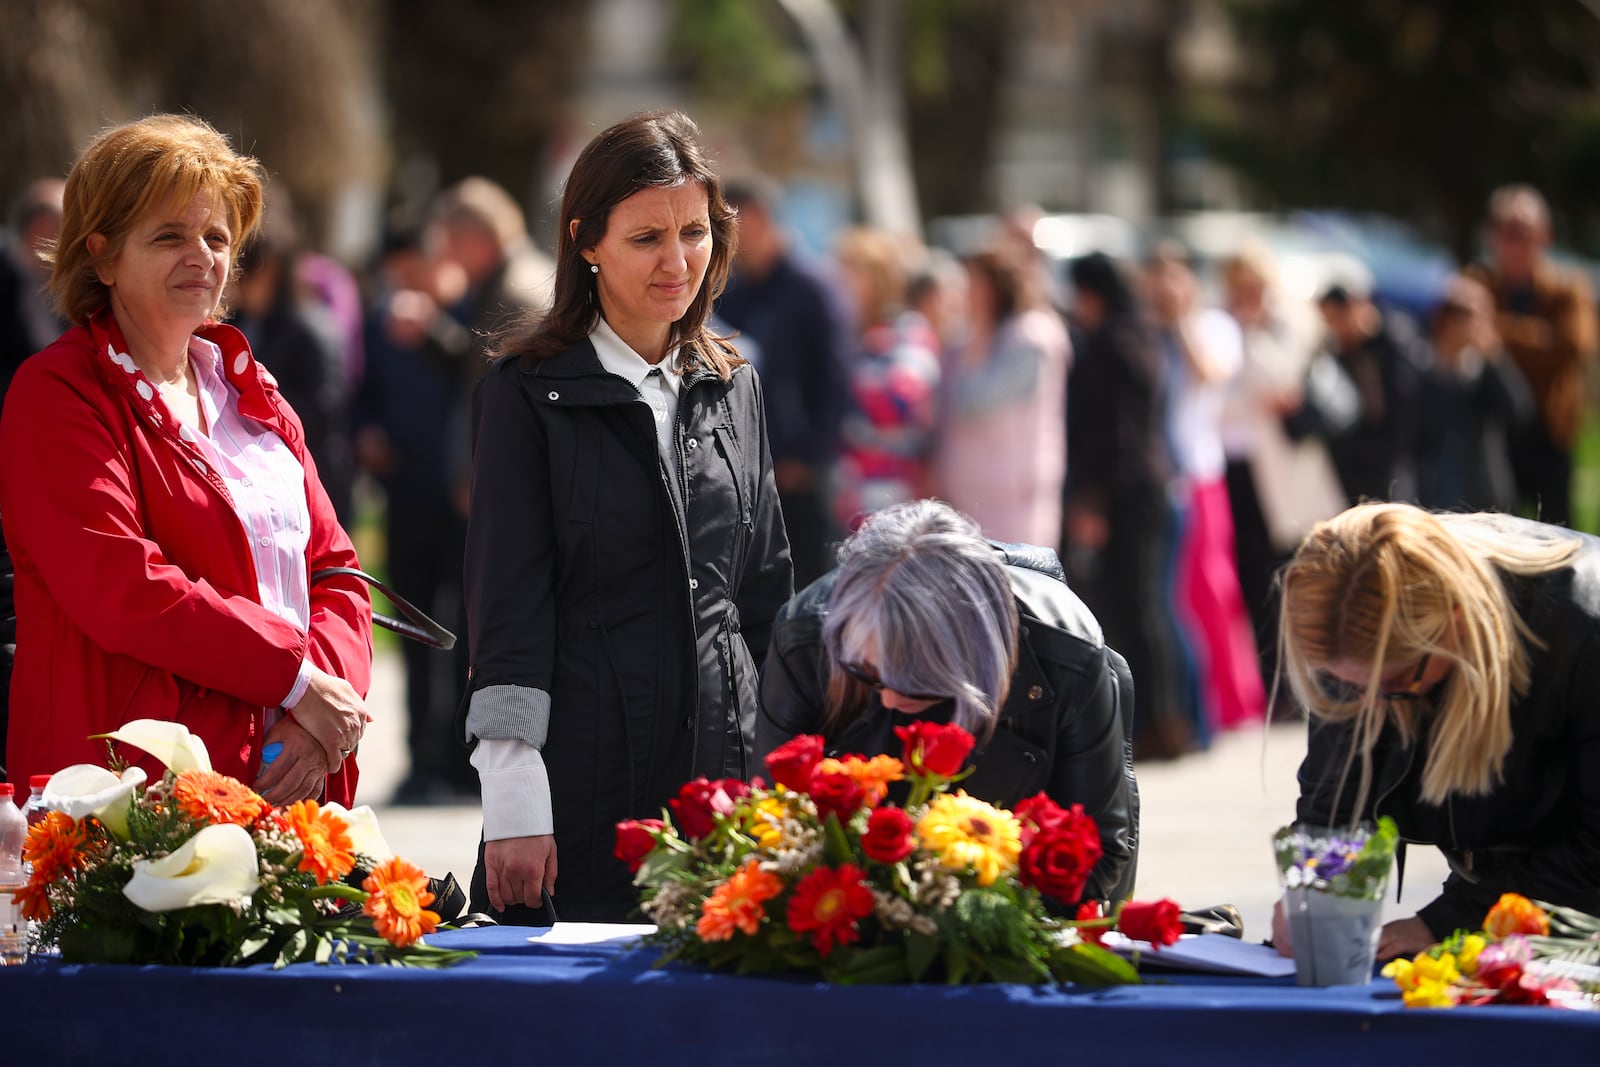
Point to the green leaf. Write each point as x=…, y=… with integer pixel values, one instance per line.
x=836, y=845
x=1091, y=965
x=956, y=963
x=324, y=949
x=292, y=951
x=921, y=951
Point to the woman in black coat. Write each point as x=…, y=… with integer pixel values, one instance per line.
x=924, y=618
x=1451, y=665
x=625, y=552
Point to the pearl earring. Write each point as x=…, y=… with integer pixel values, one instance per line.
x=594, y=268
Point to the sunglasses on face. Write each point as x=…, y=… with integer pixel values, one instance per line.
x=868, y=677
x=1344, y=691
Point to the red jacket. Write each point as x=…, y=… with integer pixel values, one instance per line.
x=136, y=592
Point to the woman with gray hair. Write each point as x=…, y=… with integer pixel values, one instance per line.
x=924, y=618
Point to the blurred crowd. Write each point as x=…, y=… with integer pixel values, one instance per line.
x=1172, y=427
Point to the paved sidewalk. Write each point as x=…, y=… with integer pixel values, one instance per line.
x=1206, y=818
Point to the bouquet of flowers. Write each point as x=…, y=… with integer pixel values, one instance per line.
x=198, y=869
x=1345, y=863
x=820, y=874
x=1526, y=953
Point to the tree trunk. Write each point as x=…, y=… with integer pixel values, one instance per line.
x=864, y=84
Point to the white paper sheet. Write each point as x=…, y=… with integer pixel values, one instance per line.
x=1207, y=954
x=590, y=933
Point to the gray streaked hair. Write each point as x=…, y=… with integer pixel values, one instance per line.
x=922, y=579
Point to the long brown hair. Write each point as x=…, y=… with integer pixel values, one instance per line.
x=654, y=149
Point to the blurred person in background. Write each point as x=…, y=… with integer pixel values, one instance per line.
x=1203, y=351
x=798, y=318
x=1003, y=449
x=1545, y=316
x=1473, y=400
x=296, y=338
x=403, y=420
x=481, y=230
x=161, y=506
x=1119, y=519
x=937, y=291
x=28, y=318
x=888, y=435
x=1360, y=397
x=1277, y=488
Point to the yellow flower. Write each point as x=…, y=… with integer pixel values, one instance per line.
x=1467, y=958
x=766, y=823
x=1429, y=969
x=1404, y=973
x=966, y=832
x=1430, y=994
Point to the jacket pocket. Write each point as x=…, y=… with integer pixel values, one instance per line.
x=1010, y=768
x=728, y=445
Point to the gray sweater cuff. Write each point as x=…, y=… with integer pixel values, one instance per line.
x=509, y=713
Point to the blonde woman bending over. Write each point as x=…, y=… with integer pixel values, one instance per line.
x=1451, y=668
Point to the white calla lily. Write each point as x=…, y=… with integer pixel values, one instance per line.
x=215, y=866
x=169, y=742
x=365, y=837
x=83, y=789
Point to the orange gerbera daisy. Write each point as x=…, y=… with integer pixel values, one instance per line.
x=54, y=846
x=398, y=902
x=828, y=903
x=872, y=775
x=34, y=900
x=324, y=840
x=209, y=797
x=737, y=903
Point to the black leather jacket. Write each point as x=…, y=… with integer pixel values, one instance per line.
x=1536, y=833
x=1065, y=728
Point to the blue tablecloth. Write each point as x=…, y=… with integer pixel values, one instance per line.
x=519, y=1003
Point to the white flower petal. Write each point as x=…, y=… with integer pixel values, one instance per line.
x=83, y=790
x=169, y=742
x=215, y=866
x=365, y=836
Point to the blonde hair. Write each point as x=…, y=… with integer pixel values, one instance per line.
x=1386, y=584
x=880, y=258
x=128, y=171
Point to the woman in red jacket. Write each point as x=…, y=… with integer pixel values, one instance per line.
x=158, y=500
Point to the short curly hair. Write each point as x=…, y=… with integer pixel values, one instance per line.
x=126, y=172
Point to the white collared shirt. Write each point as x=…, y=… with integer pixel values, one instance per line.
x=511, y=773
x=268, y=487
x=657, y=383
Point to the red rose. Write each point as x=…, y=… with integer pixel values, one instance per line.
x=634, y=841
x=837, y=792
x=792, y=762
x=701, y=799
x=1057, y=861
x=888, y=836
x=935, y=748
x=1088, y=911
x=1159, y=923
x=1037, y=813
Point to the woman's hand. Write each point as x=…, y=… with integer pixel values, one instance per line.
x=1404, y=937
x=334, y=713
x=517, y=868
x=300, y=771
x=1280, y=930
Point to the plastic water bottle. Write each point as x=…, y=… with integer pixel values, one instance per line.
x=13, y=831
x=34, y=811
